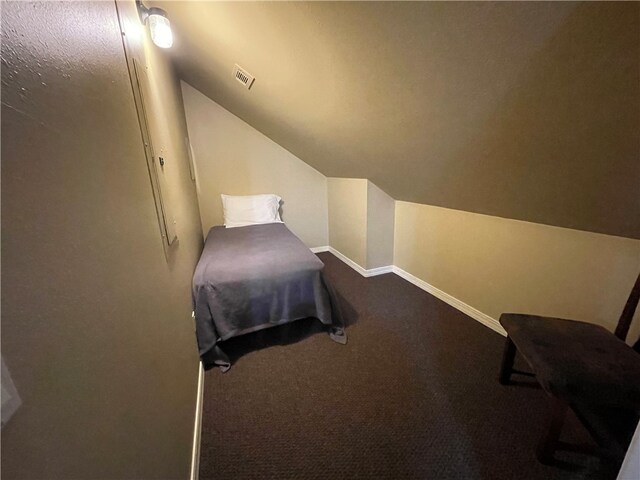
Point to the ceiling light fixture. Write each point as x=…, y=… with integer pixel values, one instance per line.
x=159, y=24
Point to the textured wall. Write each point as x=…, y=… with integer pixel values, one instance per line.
x=498, y=265
x=232, y=157
x=524, y=110
x=96, y=326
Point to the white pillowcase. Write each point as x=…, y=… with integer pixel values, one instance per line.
x=250, y=210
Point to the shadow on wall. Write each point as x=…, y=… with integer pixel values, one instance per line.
x=571, y=117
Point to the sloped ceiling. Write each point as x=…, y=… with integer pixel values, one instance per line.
x=525, y=110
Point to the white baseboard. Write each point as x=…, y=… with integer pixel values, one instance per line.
x=361, y=270
x=477, y=315
x=197, y=427
x=320, y=249
x=483, y=318
x=372, y=272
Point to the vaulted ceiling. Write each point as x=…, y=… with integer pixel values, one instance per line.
x=525, y=110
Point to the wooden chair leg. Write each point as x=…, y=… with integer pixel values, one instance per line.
x=508, y=357
x=550, y=439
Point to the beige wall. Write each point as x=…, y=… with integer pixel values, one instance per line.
x=96, y=327
x=361, y=221
x=348, y=217
x=498, y=265
x=380, y=224
x=232, y=157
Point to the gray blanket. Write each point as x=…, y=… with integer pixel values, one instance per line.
x=255, y=277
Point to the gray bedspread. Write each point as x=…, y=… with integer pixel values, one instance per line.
x=255, y=277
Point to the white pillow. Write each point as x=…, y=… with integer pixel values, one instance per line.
x=250, y=210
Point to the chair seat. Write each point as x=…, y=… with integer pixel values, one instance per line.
x=577, y=361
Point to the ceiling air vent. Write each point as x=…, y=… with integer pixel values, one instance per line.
x=244, y=77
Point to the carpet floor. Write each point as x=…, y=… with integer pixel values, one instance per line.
x=413, y=395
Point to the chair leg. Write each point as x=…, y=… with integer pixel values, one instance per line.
x=550, y=439
x=508, y=357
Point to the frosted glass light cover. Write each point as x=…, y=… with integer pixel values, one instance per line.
x=160, y=31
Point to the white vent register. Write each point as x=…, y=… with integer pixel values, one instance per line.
x=244, y=77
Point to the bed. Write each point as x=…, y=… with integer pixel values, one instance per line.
x=255, y=277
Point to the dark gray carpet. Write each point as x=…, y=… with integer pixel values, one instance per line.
x=414, y=394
